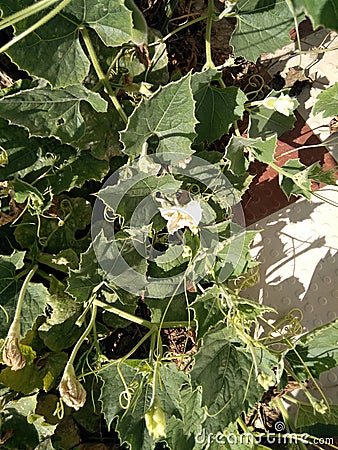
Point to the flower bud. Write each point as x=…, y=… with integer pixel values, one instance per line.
x=155, y=420
x=71, y=390
x=11, y=354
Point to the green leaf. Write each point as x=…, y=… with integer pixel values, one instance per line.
x=82, y=281
x=227, y=376
x=263, y=150
x=64, y=166
x=307, y=416
x=262, y=27
x=51, y=112
x=168, y=115
x=176, y=437
x=298, y=178
x=267, y=122
x=207, y=310
x=54, y=51
x=25, y=428
x=34, y=303
x=193, y=413
x=111, y=19
x=216, y=108
x=317, y=351
x=327, y=100
x=324, y=12
x=233, y=256
x=61, y=261
x=131, y=423
x=35, y=376
x=131, y=426
x=172, y=257
x=101, y=135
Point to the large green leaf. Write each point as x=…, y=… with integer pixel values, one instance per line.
x=324, y=12
x=168, y=115
x=63, y=165
x=75, y=214
x=315, y=352
x=307, y=416
x=51, y=112
x=262, y=27
x=101, y=135
x=131, y=426
x=216, y=108
x=131, y=423
x=54, y=51
x=327, y=100
x=23, y=427
x=267, y=122
x=227, y=375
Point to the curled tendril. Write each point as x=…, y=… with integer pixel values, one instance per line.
x=194, y=189
x=256, y=81
x=59, y=410
x=126, y=396
x=110, y=216
x=65, y=209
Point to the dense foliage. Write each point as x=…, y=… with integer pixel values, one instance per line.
x=159, y=248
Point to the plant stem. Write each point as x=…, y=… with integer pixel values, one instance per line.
x=293, y=12
x=22, y=294
x=82, y=338
x=38, y=24
x=182, y=27
x=211, y=11
x=102, y=77
x=25, y=13
x=138, y=320
x=288, y=422
x=125, y=315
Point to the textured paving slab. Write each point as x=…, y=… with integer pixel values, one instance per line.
x=298, y=251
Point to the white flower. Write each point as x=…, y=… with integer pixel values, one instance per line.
x=283, y=104
x=188, y=215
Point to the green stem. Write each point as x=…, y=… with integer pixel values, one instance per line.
x=139, y=321
x=211, y=12
x=125, y=315
x=241, y=423
x=182, y=27
x=22, y=294
x=81, y=339
x=288, y=422
x=25, y=13
x=280, y=170
x=38, y=24
x=293, y=12
x=102, y=77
